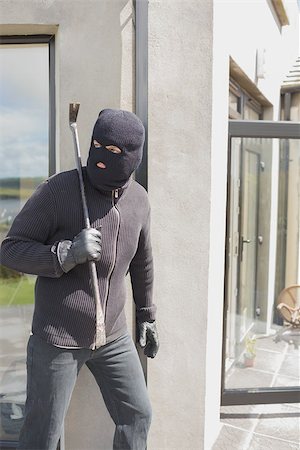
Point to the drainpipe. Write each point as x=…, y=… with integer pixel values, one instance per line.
x=141, y=109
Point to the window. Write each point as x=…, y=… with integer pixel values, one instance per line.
x=242, y=105
x=27, y=158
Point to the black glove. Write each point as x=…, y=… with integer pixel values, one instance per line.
x=148, y=337
x=86, y=246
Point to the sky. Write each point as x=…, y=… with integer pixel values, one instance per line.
x=24, y=100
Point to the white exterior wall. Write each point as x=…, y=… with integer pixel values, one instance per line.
x=240, y=28
x=180, y=76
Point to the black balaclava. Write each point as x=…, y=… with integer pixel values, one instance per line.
x=124, y=130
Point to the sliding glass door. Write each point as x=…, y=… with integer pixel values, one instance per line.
x=261, y=357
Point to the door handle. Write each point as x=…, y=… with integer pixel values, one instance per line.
x=243, y=241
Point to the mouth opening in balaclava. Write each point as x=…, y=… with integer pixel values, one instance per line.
x=124, y=130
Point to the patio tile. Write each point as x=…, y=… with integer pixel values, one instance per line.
x=294, y=351
x=270, y=344
x=239, y=409
x=231, y=438
x=248, y=378
x=282, y=380
x=292, y=405
x=259, y=427
x=274, y=408
x=281, y=426
x=242, y=416
x=263, y=443
x=267, y=360
x=291, y=365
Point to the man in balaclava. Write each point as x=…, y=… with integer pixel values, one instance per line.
x=47, y=239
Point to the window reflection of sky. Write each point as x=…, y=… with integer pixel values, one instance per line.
x=24, y=91
x=24, y=103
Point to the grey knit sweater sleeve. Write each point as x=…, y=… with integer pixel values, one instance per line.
x=141, y=274
x=26, y=247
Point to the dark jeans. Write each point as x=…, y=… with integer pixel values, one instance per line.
x=51, y=376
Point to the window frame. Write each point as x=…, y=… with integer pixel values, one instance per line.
x=261, y=395
x=50, y=40
x=244, y=98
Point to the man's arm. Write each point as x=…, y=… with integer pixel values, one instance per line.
x=141, y=274
x=25, y=248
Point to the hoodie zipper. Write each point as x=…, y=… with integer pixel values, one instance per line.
x=115, y=195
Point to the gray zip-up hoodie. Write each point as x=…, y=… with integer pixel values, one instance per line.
x=65, y=312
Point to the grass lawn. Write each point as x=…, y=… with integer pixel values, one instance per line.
x=15, y=193
x=17, y=291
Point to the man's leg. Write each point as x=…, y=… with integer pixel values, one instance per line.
x=51, y=376
x=118, y=372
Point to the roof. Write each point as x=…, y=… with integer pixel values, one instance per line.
x=292, y=80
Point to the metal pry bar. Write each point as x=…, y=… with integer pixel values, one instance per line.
x=73, y=112
x=100, y=335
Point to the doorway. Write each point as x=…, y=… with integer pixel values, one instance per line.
x=258, y=367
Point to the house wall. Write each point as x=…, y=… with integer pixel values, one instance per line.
x=189, y=48
x=180, y=96
x=240, y=28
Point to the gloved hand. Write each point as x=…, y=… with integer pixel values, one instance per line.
x=86, y=246
x=148, y=337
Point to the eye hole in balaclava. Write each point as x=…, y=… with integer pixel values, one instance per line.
x=111, y=148
x=117, y=142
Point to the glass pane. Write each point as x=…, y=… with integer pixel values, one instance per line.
x=263, y=277
x=24, y=91
x=233, y=101
x=250, y=113
x=248, y=243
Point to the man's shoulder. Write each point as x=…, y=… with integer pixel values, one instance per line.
x=139, y=196
x=138, y=190
x=59, y=181
x=62, y=177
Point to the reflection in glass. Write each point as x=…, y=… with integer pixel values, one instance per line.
x=233, y=101
x=24, y=86
x=262, y=344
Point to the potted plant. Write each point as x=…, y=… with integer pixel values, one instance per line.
x=250, y=353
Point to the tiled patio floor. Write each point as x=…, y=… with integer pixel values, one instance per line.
x=259, y=427
x=276, y=364
x=262, y=427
